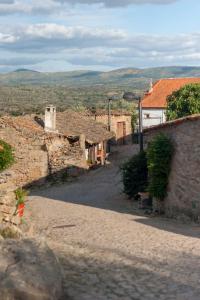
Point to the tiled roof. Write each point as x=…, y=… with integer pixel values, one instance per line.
x=68, y=123
x=25, y=124
x=172, y=123
x=163, y=88
x=71, y=123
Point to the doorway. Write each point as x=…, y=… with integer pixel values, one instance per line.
x=121, y=133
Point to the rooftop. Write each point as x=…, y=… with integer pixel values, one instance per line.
x=157, y=98
x=71, y=123
x=68, y=123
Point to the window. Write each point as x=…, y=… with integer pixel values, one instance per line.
x=147, y=116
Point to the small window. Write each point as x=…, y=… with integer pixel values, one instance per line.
x=147, y=116
x=48, y=108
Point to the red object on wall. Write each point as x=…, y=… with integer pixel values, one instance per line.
x=21, y=210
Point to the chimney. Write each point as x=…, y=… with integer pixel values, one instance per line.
x=151, y=86
x=50, y=118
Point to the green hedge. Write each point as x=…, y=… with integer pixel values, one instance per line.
x=159, y=155
x=6, y=156
x=135, y=174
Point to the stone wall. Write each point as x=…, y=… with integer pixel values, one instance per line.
x=184, y=181
x=114, y=120
x=65, y=157
x=37, y=155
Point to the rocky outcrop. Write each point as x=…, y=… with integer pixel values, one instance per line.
x=29, y=271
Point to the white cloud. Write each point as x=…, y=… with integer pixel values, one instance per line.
x=36, y=38
x=117, y=3
x=52, y=6
x=98, y=46
x=8, y=7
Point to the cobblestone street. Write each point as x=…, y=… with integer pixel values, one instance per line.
x=107, y=250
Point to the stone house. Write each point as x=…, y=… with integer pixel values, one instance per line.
x=120, y=125
x=73, y=124
x=183, y=196
x=56, y=146
x=154, y=103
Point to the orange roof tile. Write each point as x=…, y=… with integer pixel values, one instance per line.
x=163, y=88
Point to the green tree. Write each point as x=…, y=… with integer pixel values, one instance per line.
x=183, y=102
x=134, y=119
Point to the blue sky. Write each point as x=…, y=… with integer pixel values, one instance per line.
x=63, y=35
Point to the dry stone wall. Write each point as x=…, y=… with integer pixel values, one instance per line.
x=37, y=155
x=65, y=158
x=183, y=197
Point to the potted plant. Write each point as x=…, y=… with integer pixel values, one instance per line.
x=20, y=195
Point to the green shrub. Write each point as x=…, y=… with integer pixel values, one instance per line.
x=20, y=195
x=6, y=155
x=134, y=174
x=9, y=233
x=159, y=155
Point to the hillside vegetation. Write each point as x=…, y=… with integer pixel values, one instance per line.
x=27, y=91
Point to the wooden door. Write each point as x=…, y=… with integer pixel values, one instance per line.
x=121, y=133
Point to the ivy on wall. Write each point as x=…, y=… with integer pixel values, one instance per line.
x=159, y=156
x=149, y=171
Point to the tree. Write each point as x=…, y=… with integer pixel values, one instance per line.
x=184, y=102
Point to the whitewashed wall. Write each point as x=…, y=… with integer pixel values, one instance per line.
x=151, y=117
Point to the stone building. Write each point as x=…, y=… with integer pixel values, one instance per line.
x=154, y=103
x=56, y=146
x=120, y=125
x=184, y=182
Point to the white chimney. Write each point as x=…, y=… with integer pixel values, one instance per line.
x=151, y=86
x=50, y=118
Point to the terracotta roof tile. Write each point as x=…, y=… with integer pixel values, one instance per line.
x=163, y=88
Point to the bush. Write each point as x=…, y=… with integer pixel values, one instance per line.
x=9, y=232
x=159, y=155
x=6, y=155
x=135, y=174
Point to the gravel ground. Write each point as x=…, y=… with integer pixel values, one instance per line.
x=107, y=250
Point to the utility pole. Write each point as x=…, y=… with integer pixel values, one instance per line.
x=140, y=125
x=109, y=114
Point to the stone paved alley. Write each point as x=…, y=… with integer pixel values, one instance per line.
x=107, y=250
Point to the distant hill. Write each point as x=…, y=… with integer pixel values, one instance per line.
x=29, y=91
x=24, y=70
x=138, y=78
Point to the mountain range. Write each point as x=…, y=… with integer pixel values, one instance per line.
x=138, y=78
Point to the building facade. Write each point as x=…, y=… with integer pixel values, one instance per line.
x=120, y=125
x=154, y=103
